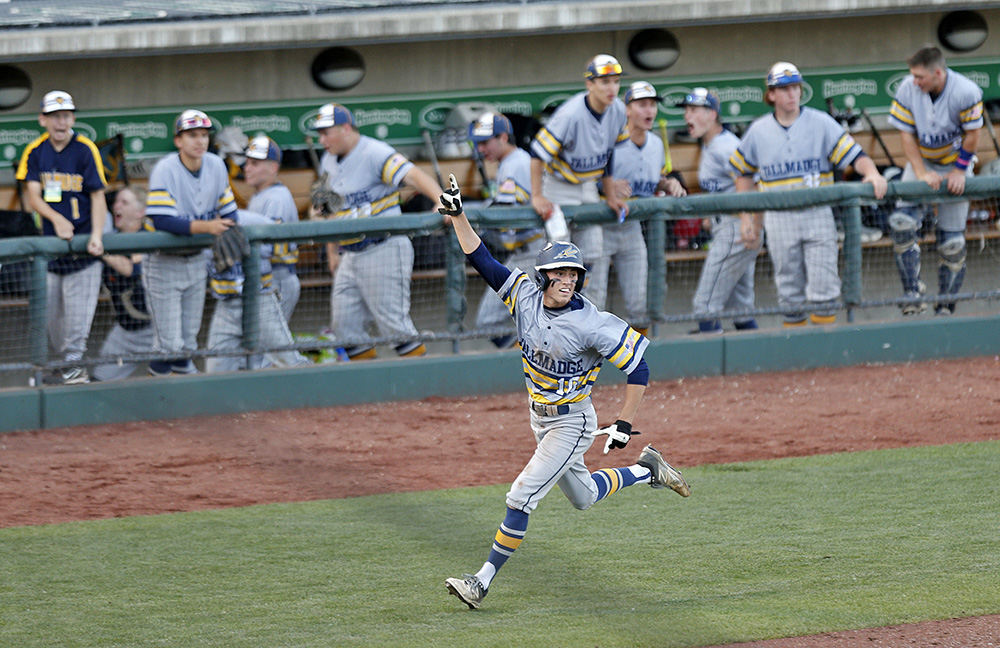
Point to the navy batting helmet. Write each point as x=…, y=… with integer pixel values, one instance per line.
x=559, y=254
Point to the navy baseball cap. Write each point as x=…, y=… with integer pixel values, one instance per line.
x=489, y=125
x=263, y=147
x=57, y=100
x=332, y=114
x=641, y=90
x=191, y=119
x=603, y=65
x=701, y=97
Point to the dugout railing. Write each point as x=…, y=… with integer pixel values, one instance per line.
x=849, y=198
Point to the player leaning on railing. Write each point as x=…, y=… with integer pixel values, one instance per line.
x=564, y=340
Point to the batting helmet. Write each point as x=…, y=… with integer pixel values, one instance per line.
x=555, y=255
x=191, y=119
x=603, y=65
x=782, y=74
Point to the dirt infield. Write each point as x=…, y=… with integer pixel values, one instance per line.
x=88, y=472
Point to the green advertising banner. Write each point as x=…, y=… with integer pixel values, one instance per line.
x=401, y=119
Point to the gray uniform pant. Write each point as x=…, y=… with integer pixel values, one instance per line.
x=72, y=301
x=372, y=287
x=558, y=459
x=951, y=216
x=123, y=343
x=803, y=249
x=225, y=333
x=175, y=293
x=589, y=238
x=726, y=282
x=289, y=288
x=626, y=248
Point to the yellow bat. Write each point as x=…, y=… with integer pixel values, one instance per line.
x=668, y=163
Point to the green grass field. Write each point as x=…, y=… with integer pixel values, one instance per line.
x=764, y=549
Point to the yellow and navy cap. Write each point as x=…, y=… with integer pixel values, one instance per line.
x=783, y=73
x=263, y=147
x=489, y=125
x=641, y=90
x=701, y=97
x=603, y=65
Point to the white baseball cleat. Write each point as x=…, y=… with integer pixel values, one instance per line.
x=470, y=590
x=663, y=474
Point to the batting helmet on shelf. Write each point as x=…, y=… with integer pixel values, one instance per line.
x=782, y=74
x=555, y=255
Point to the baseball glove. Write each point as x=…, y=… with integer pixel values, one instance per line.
x=229, y=248
x=326, y=200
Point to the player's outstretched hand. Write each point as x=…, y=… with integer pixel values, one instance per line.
x=618, y=435
x=451, y=199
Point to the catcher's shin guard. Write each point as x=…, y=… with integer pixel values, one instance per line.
x=951, y=270
x=906, y=249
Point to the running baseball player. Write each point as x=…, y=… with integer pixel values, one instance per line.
x=65, y=184
x=726, y=281
x=798, y=146
x=132, y=333
x=564, y=340
x=493, y=135
x=939, y=114
x=273, y=199
x=569, y=155
x=371, y=284
x=189, y=193
x=637, y=169
x=225, y=332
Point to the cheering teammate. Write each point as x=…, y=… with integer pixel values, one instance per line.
x=65, y=186
x=189, y=194
x=637, y=169
x=564, y=339
x=798, y=146
x=569, y=155
x=726, y=281
x=939, y=114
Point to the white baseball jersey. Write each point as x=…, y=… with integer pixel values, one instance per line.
x=368, y=179
x=561, y=363
x=177, y=196
x=642, y=167
x=938, y=124
x=576, y=143
x=714, y=171
x=802, y=155
x=276, y=202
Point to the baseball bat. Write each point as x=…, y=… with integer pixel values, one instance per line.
x=878, y=136
x=668, y=162
x=481, y=167
x=313, y=158
x=432, y=154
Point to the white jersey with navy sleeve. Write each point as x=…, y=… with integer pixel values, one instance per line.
x=714, y=171
x=561, y=363
x=802, y=155
x=576, y=143
x=642, y=167
x=176, y=192
x=939, y=123
x=514, y=179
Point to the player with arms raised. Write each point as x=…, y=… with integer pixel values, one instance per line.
x=564, y=340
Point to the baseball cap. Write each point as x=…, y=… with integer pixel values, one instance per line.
x=489, y=125
x=263, y=147
x=332, y=114
x=57, y=100
x=641, y=90
x=701, y=97
x=782, y=74
x=191, y=119
x=603, y=65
